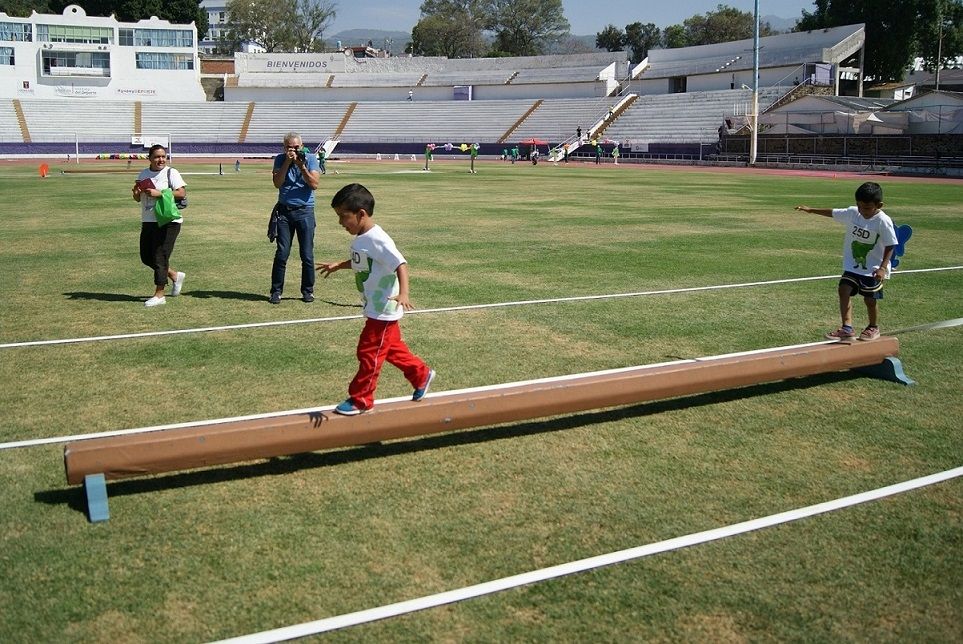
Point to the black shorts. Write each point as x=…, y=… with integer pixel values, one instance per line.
x=866, y=285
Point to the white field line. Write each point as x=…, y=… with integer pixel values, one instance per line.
x=470, y=390
x=582, y=565
x=447, y=309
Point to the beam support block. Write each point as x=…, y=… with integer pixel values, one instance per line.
x=95, y=488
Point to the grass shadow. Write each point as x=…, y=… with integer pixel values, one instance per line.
x=342, y=304
x=105, y=297
x=74, y=497
x=226, y=295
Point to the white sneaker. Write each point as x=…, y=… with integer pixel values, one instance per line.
x=178, y=284
x=156, y=301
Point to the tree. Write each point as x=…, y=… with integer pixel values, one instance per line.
x=23, y=8
x=940, y=32
x=177, y=11
x=569, y=44
x=451, y=28
x=893, y=29
x=438, y=35
x=475, y=12
x=526, y=27
x=280, y=25
x=725, y=24
x=674, y=36
x=641, y=38
x=312, y=17
x=266, y=23
x=610, y=39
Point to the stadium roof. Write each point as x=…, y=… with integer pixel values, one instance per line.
x=832, y=45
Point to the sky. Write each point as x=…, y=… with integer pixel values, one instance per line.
x=585, y=16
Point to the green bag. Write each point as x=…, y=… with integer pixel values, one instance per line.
x=164, y=208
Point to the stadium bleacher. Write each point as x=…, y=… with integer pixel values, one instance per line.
x=555, y=120
x=315, y=122
x=455, y=121
x=673, y=118
x=450, y=78
x=375, y=80
x=200, y=122
x=367, y=111
x=557, y=75
x=63, y=119
x=684, y=118
x=9, y=125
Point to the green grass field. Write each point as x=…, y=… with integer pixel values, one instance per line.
x=203, y=555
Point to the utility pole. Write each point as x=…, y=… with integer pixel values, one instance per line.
x=939, y=47
x=754, y=117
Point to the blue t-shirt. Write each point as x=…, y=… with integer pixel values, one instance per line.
x=295, y=190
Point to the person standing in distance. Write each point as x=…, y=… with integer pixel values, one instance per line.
x=296, y=176
x=157, y=242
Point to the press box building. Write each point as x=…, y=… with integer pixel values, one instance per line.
x=74, y=55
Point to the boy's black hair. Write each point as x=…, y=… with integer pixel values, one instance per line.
x=154, y=148
x=354, y=197
x=870, y=192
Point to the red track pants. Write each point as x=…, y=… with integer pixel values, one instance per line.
x=382, y=341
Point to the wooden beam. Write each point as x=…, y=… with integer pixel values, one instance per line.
x=240, y=441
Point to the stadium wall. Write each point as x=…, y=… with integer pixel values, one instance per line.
x=771, y=77
x=928, y=153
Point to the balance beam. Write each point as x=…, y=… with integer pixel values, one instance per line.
x=93, y=461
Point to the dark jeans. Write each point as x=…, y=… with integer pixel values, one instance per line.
x=297, y=220
x=156, y=246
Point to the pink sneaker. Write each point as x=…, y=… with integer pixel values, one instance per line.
x=842, y=333
x=869, y=333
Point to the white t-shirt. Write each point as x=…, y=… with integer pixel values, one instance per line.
x=865, y=239
x=160, y=182
x=374, y=260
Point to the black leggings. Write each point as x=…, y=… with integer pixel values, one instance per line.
x=156, y=246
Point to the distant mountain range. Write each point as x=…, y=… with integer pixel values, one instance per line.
x=399, y=39
x=780, y=24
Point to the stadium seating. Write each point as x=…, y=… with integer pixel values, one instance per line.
x=556, y=119
x=450, y=79
x=63, y=119
x=375, y=80
x=673, y=118
x=438, y=121
x=692, y=117
x=9, y=125
x=195, y=122
x=557, y=75
x=315, y=122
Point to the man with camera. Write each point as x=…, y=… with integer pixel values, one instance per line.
x=296, y=176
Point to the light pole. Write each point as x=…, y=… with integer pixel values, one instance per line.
x=754, y=117
x=939, y=47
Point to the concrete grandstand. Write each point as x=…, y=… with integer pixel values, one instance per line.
x=676, y=103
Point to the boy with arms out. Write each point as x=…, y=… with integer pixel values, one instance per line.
x=381, y=274
x=867, y=250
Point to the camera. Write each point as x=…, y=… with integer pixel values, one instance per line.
x=301, y=155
